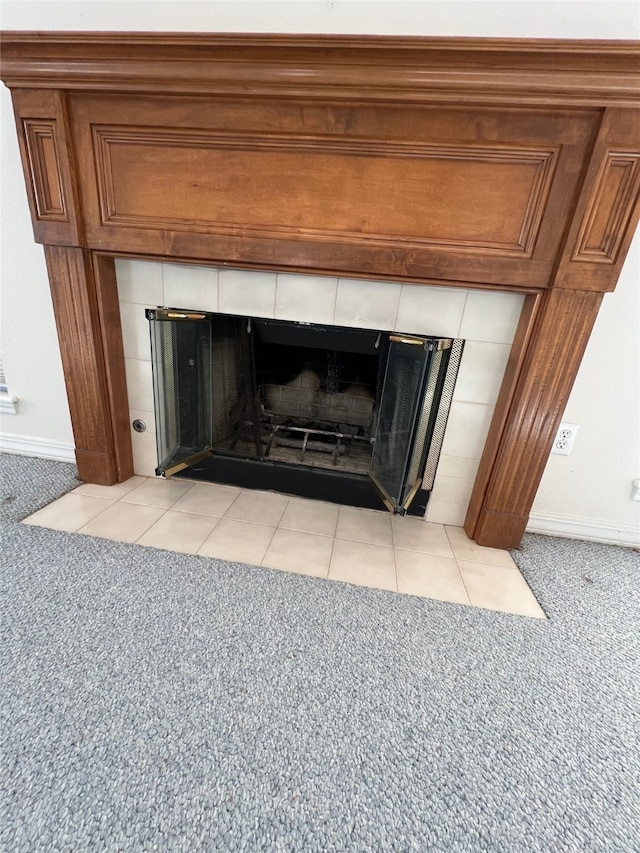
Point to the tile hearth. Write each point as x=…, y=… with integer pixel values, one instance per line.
x=338, y=543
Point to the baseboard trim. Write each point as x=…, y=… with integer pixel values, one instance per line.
x=590, y=529
x=22, y=445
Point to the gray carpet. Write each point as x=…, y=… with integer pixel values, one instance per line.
x=153, y=701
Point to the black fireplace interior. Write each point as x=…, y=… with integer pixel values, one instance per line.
x=353, y=416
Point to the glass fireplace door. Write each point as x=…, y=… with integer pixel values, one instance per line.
x=405, y=417
x=203, y=391
x=181, y=358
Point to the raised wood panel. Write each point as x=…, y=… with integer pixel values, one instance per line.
x=382, y=190
x=612, y=205
x=343, y=190
x=45, y=170
x=49, y=168
x=608, y=209
x=79, y=334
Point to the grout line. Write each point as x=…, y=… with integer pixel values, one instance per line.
x=464, y=308
x=79, y=529
x=266, y=550
x=464, y=584
x=135, y=542
x=393, y=553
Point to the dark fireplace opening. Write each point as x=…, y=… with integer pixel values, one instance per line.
x=316, y=389
x=348, y=415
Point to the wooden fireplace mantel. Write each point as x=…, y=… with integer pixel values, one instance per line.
x=511, y=165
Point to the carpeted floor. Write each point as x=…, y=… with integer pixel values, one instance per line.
x=155, y=701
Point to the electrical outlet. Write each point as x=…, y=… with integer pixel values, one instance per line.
x=563, y=442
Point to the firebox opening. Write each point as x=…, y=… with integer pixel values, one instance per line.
x=316, y=389
x=342, y=414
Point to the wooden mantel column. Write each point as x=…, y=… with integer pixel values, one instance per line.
x=498, y=514
x=75, y=305
x=495, y=164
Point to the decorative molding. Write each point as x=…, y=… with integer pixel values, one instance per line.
x=605, y=222
x=590, y=529
x=48, y=188
x=460, y=177
x=23, y=445
x=335, y=67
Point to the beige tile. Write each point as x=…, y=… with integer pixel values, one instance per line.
x=364, y=525
x=302, y=553
x=69, y=513
x=239, y=541
x=310, y=517
x=415, y=534
x=426, y=310
x=466, y=549
x=114, y=493
x=367, y=304
x=498, y=588
x=139, y=384
x=364, y=565
x=157, y=492
x=306, y=298
x=258, y=507
x=481, y=371
x=205, y=499
x=139, y=281
x=491, y=316
x=449, y=500
x=192, y=287
x=247, y=292
x=179, y=531
x=430, y=576
x=467, y=429
x=123, y=522
x=136, y=339
x=458, y=467
x=143, y=444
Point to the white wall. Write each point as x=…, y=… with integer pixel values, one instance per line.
x=585, y=494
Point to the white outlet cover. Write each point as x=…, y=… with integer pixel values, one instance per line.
x=565, y=436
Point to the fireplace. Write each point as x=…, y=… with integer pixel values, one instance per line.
x=487, y=166
x=481, y=326
x=353, y=416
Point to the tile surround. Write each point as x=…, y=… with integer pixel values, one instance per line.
x=247, y=292
x=306, y=298
x=487, y=321
x=378, y=309
x=431, y=310
x=481, y=371
x=405, y=555
x=139, y=387
x=198, y=290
